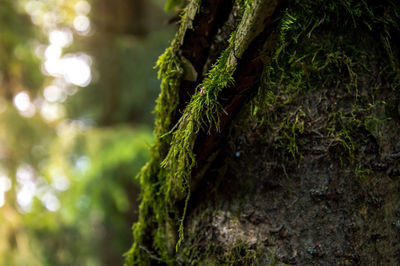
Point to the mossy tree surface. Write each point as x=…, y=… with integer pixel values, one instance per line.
x=276, y=137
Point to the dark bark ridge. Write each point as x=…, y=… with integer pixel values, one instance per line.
x=194, y=124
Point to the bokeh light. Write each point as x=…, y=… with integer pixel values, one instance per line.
x=82, y=24
x=60, y=182
x=53, y=52
x=74, y=68
x=54, y=93
x=24, y=105
x=82, y=7
x=61, y=38
x=50, y=201
x=51, y=112
x=22, y=101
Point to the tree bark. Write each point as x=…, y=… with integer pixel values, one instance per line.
x=281, y=145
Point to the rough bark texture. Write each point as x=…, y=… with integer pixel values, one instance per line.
x=291, y=155
x=318, y=212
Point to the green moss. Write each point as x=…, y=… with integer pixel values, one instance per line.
x=287, y=132
x=343, y=131
x=152, y=227
x=173, y=150
x=363, y=173
x=240, y=253
x=164, y=186
x=202, y=111
x=324, y=45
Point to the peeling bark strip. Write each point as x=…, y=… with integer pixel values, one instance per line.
x=196, y=45
x=246, y=78
x=204, y=109
x=252, y=24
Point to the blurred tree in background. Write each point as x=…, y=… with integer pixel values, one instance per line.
x=77, y=88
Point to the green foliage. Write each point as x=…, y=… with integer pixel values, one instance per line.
x=100, y=165
x=97, y=164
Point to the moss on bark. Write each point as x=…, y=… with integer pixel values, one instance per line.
x=314, y=49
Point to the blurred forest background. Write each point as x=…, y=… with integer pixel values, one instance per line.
x=77, y=89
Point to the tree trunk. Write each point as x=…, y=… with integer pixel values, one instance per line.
x=277, y=137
